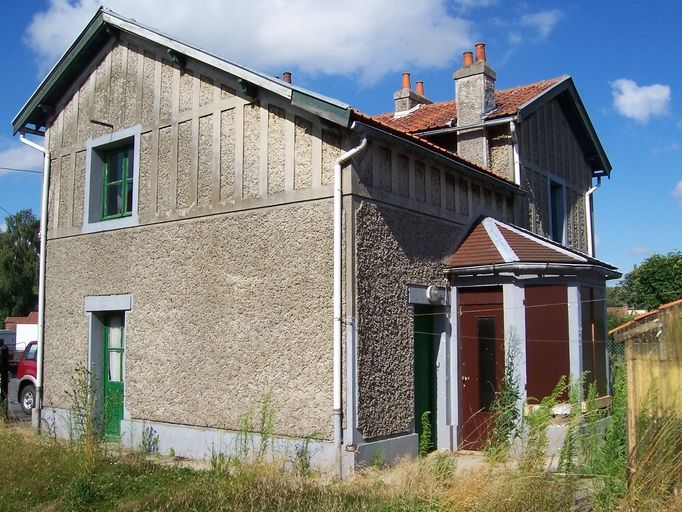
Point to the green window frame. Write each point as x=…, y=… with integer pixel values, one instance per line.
x=117, y=193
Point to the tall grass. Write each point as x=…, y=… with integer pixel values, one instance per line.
x=41, y=473
x=655, y=477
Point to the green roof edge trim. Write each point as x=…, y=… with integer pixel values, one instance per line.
x=57, y=72
x=321, y=108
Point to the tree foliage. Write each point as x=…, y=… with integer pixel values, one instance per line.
x=19, y=252
x=658, y=280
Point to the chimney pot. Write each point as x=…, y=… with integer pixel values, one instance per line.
x=286, y=76
x=480, y=52
x=406, y=81
x=420, y=88
x=468, y=59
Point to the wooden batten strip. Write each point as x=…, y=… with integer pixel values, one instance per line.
x=194, y=169
x=264, y=139
x=317, y=155
x=289, y=151
x=239, y=152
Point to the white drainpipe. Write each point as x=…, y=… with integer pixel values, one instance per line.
x=590, y=221
x=38, y=405
x=338, y=208
x=515, y=146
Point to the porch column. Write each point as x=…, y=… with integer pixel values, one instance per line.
x=453, y=370
x=575, y=332
x=515, y=334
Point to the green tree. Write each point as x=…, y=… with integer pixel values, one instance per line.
x=658, y=280
x=19, y=248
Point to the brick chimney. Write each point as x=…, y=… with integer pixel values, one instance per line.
x=406, y=99
x=474, y=94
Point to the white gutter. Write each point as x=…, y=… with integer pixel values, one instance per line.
x=338, y=209
x=482, y=124
x=37, y=406
x=515, y=146
x=564, y=269
x=590, y=220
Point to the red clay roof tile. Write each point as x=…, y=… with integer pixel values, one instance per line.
x=645, y=315
x=12, y=321
x=493, y=242
x=379, y=122
x=438, y=115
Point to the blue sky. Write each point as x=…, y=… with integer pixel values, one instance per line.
x=623, y=56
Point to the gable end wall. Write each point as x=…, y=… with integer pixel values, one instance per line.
x=547, y=148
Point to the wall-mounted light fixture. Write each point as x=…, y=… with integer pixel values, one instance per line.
x=178, y=59
x=248, y=88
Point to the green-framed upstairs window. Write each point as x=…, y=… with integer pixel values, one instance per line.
x=118, y=183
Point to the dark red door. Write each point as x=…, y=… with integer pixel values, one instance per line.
x=481, y=361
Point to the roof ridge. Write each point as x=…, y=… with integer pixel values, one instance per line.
x=551, y=81
x=436, y=104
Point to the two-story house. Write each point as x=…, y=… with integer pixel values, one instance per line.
x=216, y=235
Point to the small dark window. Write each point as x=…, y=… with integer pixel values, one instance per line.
x=557, y=201
x=118, y=183
x=487, y=378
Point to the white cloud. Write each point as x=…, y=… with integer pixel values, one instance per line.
x=673, y=146
x=356, y=36
x=3, y=227
x=15, y=155
x=677, y=193
x=640, y=102
x=639, y=250
x=543, y=22
x=466, y=4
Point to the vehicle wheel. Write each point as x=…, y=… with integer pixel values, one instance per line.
x=28, y=398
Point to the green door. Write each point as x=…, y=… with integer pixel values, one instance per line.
x=113, y=375
x=424, y=369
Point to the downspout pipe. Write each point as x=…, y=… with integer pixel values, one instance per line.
x=515, y=147
x=590, y=220
x=38, y=406
x=338, y=209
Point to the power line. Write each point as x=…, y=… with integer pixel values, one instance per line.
x=19, y=170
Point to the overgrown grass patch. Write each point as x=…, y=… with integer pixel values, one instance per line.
x=87, y=474
x=44, y=474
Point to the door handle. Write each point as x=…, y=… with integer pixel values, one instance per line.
x=465, y=379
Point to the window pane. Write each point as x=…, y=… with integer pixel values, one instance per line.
x=115, y=332
x=114, y=367
x=114, y=199
x=129, y=164
x=129, y=198
x=31, y=354
x=115, y=166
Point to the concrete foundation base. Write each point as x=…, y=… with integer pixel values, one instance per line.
x=203, y=443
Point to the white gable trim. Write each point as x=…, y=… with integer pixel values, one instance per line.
x=540, y=241
x=501, y=244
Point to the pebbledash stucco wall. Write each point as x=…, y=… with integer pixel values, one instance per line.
x=230, y=265
x=394, y=248
x=225, y=308
x=408, y=212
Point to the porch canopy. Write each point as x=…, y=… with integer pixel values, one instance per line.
x=552, y=305
x=493, y=247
